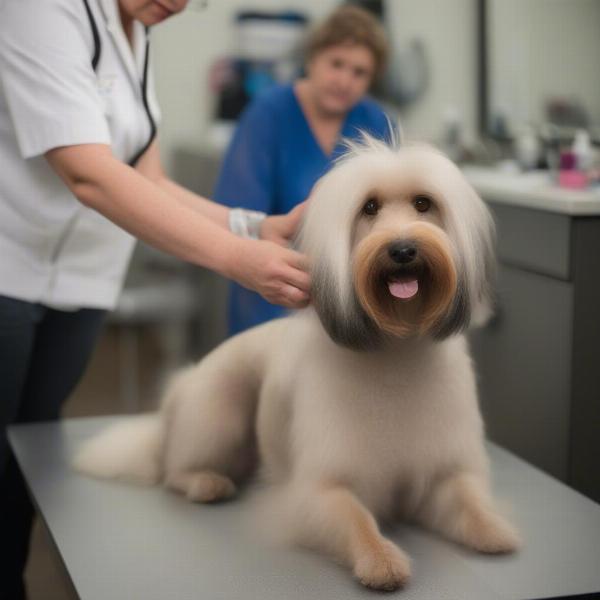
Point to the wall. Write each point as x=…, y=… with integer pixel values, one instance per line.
x=448, y=29
x=541, y=50
x=186, y=46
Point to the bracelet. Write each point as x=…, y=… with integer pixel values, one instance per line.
x=246, y=223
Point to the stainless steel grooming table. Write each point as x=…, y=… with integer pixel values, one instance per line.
x=128, y=543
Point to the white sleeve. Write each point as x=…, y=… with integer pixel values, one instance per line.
x=46, y=75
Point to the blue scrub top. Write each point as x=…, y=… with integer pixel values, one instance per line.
x=272, y=164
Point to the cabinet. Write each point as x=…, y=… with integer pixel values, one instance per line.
x=538, y=359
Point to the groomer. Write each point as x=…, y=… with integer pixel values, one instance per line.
x=80, y=179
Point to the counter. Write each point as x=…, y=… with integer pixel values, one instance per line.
x=538, y=358
x=534, y=189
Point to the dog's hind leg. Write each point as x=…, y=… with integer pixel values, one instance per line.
x=333, y=519
x=209, y=413
x=461, y=509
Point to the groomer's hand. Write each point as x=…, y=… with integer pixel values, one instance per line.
x=276, y=273
x=281, y=229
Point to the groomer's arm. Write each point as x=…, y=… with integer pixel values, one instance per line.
x=280, y=228
x=150, y=166
x=136, y=202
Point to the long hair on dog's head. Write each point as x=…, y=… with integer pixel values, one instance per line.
x=400, y=244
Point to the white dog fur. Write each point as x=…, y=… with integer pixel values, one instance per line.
x=362, y=407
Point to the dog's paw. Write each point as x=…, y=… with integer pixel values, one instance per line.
x=209, y=487
x=386, y=568
x=491, y=534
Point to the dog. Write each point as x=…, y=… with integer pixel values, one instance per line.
x=363, y=407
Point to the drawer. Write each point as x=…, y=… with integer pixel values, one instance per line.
x=536, y=240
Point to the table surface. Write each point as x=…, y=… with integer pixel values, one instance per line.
x=124, y=542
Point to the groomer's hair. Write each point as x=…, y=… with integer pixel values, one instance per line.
x=350, y=25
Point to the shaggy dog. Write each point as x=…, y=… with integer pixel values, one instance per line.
x=363, y=406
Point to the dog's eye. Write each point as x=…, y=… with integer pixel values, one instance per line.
x=422, y=203
x=371, y=207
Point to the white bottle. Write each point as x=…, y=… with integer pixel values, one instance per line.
x=527, y=149
x=582, y=149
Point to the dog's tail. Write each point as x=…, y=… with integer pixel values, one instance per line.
x=130, y=450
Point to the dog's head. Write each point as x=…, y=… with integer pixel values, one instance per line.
x=400, y=244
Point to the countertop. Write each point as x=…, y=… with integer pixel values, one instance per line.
x=533, y=189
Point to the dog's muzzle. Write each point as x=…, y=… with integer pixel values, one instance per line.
x=403, y=283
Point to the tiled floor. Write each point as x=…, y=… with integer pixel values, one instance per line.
x=98, y=393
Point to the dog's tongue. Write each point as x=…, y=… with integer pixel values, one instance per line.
x=403, y=289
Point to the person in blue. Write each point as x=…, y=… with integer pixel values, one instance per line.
x=290, y=135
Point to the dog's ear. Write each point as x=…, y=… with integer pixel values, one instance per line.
x=459, y=315
x=471, y=229
x=486, y=299
x=475, y=243
x=325, y=237
x=484, y=274
x=340, y=313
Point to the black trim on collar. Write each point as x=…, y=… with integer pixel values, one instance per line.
x=139, y=154
x=96, y=58
x=96, y=36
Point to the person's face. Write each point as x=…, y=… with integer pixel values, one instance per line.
x=340, y=76
x=151, y=12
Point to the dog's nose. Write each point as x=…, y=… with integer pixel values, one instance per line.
x=402, y=253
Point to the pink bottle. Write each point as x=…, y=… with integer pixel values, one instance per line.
x=569, y=176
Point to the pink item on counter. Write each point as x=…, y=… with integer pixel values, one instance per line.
x=568, y=175
x=571, y=178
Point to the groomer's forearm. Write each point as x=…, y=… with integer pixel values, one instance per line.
x=148, y=212
x=150, y=166
x=215, y=212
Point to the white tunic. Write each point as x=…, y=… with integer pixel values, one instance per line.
x=54, y=250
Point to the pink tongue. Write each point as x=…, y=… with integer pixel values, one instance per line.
x=403, y=289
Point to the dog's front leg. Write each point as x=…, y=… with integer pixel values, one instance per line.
x=339, y=523
x=460, y=508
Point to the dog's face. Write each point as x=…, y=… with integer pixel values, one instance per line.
x=403, y=272
x=401, y=246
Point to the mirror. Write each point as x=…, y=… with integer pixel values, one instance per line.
x=539, y=67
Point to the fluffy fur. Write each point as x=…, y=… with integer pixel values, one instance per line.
x=362, y=407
